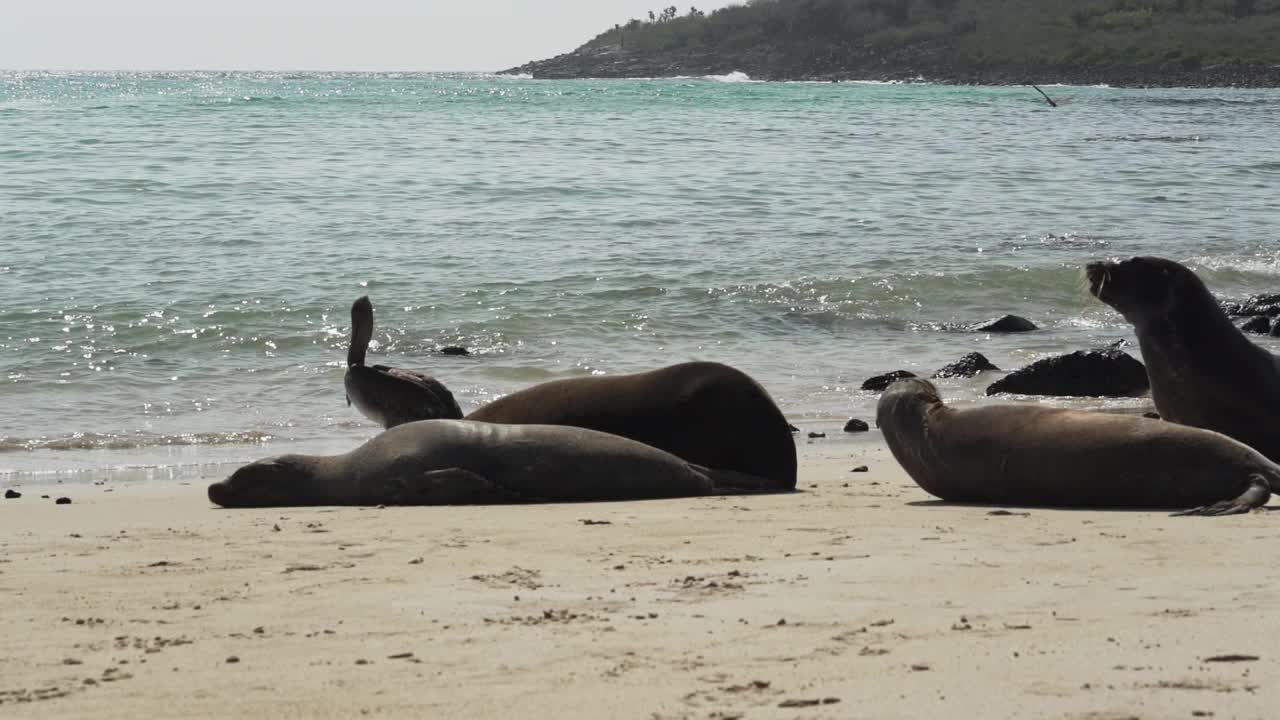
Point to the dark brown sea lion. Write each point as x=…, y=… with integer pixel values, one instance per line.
x=1204, y=372
x=1035, y=455
x=705, y=412
x=460, y=462
x=386, y=395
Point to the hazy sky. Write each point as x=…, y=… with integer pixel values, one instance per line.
x=302, y=34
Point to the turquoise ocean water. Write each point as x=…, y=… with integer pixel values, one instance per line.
x=178, y=252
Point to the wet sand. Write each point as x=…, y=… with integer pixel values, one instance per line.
x=859, y=598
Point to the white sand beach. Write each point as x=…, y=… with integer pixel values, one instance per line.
x=859, y=598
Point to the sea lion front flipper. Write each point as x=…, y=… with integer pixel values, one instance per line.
x=1254, y=496
x=453, y=486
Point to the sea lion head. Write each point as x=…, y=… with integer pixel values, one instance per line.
x=915, y=387
x=906, y=401
x=274, y=482
x=1143, y=288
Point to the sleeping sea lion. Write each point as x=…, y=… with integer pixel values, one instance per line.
x=461, y=462
x=705, y=412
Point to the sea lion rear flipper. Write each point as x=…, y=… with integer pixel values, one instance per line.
x=453, y=486
x=1254, y=496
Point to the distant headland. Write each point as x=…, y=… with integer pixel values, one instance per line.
x=1129, y=43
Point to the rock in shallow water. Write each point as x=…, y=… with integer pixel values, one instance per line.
x=1266, y=304
x=12, y=494
x=1260, y=324
x=856, y=425
x=967, y=366
x=1007, y=323
x=880, y=382
x=1084, y=373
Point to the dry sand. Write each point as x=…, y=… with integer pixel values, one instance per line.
x=858, y=598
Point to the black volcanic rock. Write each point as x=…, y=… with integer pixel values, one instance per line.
x=856, y=425
x=880, y=382
x=12, y=494
x=967, y=366
x=1260, y=324
x=454, y=350
x=1006, y=324
x=1084, y=373
x=1265, y=304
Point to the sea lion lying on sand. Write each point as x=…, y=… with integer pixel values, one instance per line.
x=1204, y=372
x=705, y=412
x=1034, y=455
x=460, y=462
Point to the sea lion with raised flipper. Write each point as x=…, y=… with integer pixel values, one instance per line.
x=1036, y=455
x=461, y=462
x=386, y=395
x=705, y=412
x=1204, y=372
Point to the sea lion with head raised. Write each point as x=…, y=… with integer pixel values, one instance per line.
x=1204, y=372
x=1035, y=455
x=386, y=395
x=460, y=462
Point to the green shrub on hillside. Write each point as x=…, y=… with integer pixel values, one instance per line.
x=1080, y=32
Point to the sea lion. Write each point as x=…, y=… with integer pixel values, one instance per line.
x=1035, y=455
x=1204, y=372
x=705, y=412
x=460, y=462
x=386, y=395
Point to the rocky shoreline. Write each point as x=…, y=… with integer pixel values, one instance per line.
x=912, y=64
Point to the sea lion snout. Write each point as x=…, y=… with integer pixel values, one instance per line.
x=1098, y=273
x=264, y=483
x=220, y=493
x=1141, y=287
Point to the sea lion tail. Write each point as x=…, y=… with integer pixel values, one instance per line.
x=361, y=330
x=1254, y=496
